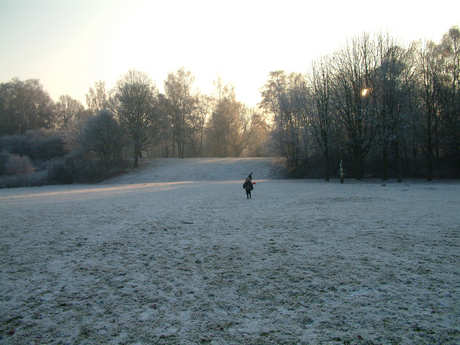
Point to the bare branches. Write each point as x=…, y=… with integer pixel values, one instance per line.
x=133, y=102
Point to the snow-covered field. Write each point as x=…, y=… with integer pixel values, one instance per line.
x=176, y=254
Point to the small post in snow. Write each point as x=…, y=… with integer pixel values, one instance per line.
x=341, y=172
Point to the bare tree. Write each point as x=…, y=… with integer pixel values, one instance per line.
x=272, y=105
x=69, y=111
x=197, y=122
x=259, y=138
x=218, y=127
x=284, y=98
x=393, y=84
x=241, y=128
x=133, y=101
x=271, y=94
x=294, y=120
x=182, y=99
x=430, y=63
x=450, y=48
x=25, y=105
x=231, y=124
x=354, y=98
x=102, y=137
x=320, y=108
x=97, y=98
x=165, y=137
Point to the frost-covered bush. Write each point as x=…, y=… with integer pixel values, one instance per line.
x=17, y=171
x=27, y=180
x=77, y=167
x=102, y=138
x=36, y=144
x=18, y=165
x=4, y=158
x=61, y=172
x=46, y=144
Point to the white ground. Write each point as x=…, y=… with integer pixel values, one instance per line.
x=176, y=254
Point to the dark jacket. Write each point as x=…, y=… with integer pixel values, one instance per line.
x=248, y=183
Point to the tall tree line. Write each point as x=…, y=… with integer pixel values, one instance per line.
x=182, y=122
x=382, y=108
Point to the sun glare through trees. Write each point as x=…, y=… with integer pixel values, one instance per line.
x=382, y=108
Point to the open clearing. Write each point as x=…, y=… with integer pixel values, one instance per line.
x=176, y=254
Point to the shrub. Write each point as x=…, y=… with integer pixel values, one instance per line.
x=28, y=180
x=102, y=138
x=61, y=172
x=4, y=158
x=15, y=144
x=35, y=144
x=18, y=165
x=46, y=145
x=80, y=168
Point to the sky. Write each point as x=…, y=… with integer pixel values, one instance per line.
x=71, y=44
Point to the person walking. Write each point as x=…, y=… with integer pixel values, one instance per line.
x=248, y=181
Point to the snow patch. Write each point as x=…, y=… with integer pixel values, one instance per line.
x=175, y=254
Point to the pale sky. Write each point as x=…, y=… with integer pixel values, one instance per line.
x=71, y=44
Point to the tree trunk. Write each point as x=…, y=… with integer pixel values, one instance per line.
x=398, y=161
x=359, y=164
x=429, y=151
x=429, y=157
x=385, y=163
x=326, y=154
x=137, y=150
